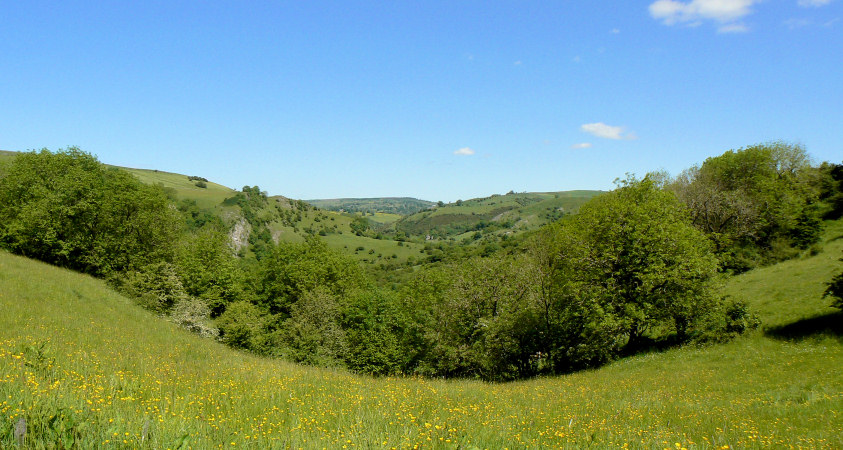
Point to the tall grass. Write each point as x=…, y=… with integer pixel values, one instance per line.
x=83, y=366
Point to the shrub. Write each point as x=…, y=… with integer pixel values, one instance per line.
x=739, y=318
x=313, y=334
x=194, y=315
x=241, y=326
x=156, y=287
x=835, y=290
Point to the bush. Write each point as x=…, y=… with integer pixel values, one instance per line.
x=241, y=326
x=739, y=318
x=835, y=290
x=313, y=334
x=374, y=322
x=156, y=287
x=194, y=315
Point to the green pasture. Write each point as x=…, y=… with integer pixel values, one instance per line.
x=374, y=250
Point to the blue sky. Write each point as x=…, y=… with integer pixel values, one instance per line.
x=436, y=100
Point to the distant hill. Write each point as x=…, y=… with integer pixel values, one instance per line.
x=6, y=155
x=498, y=213
x=396, y=228
x=403, y=206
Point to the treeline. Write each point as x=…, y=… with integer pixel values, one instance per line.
x=70, y=210
x=760, y=204
x=635, y=268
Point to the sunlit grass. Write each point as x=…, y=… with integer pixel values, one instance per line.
x=208, y=197
x=793, y=289
x=117, y=376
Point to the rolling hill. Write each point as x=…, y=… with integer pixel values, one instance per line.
x=287, y=220
x=501, y=214
x=478, y=221
x=82, y=366
x=395, y=206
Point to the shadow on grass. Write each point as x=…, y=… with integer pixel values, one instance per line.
x=825, y=325
x=648, y=345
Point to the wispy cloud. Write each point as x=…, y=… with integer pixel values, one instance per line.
x=604, y=131
x=465, y=151
x=794, y=24
x=615, y=31
x=727, y=13
x=733, y=28
x=582, y=145
x=813, y=3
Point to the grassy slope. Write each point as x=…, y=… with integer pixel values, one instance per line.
x=208, y=197
x=341, y=237
x=792, y=290
x=214, y=194
x=6, y=155
x=392, y=205
x=526, y=211
x=118, y=369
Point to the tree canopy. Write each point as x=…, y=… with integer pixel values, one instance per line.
x=753, y=202
x=68, y=209
x=630, y=264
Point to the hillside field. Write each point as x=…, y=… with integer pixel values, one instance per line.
x=513, y=212
x=84, y=365
x=208, y=197
x=393, y=206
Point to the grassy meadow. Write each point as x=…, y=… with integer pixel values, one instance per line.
x=340, y=236
x=208, y=197
x=86, y=367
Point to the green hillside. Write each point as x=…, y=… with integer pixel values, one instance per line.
x=85, y=367
x=498, y=214
x=284, y=219
x=400, y=206
x=6, y=155
x=209, y=196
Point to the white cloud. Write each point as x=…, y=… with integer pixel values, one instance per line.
x=692, y=13
x=582, y=145
x=615, y=31
x=465, y=151
x=813, y=3
x=604, y=131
